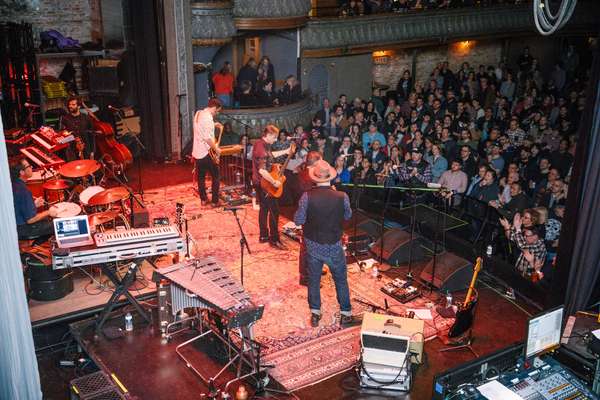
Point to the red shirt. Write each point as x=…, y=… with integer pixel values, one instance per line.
x=223, y=83
x=261, y=153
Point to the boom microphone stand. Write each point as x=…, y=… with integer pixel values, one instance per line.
x=243, y=241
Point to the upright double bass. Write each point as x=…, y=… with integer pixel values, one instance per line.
x=106, y=143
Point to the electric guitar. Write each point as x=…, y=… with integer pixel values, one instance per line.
x=466, y=311
x=213, y=154
x=276, y=173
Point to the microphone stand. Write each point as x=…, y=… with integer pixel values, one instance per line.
x=142, y=151
x=382, y=226
x=243, y=244
x=413, y=223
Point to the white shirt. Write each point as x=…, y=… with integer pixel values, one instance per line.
x=204, y=128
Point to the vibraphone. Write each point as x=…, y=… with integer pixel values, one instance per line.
x=204, y=285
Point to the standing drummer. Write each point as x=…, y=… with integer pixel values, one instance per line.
x=30, y=223
x=80, y=125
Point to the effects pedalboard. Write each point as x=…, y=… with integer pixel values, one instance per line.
x=400, y=290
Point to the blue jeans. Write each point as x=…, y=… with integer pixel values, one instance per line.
x=337, y=266
x=225, y=99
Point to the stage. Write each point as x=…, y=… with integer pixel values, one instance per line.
x=314, y=363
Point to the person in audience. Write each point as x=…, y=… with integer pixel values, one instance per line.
x=376, y=156
x=265, y=72
x=325, y=112
x=437, y=161
x=223, y=85
x=557, y=195
x=529, y=240
x=517, y=204
x=454, y=181
x=248, y=73
x=265, y=95
x=291, y=91
x=247, y=97
x=370, y=136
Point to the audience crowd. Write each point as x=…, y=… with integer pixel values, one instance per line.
x=499, y=140
x=349, y=8
x=255, y=86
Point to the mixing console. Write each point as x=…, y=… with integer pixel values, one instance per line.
x=547, y=379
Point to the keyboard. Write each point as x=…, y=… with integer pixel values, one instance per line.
x=135, y=235
x=41, y=158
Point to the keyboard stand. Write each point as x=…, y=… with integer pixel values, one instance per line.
x=121, y=289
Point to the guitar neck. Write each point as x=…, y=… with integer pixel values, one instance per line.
x=476, y=270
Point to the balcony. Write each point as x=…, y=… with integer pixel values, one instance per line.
x=212, y=22
x=255, y=119
x=354, y=35
x=270, y=14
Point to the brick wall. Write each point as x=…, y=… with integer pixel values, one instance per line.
x=70, y=17
x=427, y=58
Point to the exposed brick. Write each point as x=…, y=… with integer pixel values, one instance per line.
x=427, y=58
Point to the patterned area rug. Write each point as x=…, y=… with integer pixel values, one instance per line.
x=271, y=278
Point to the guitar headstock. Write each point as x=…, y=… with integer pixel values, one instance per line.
x=478, y=263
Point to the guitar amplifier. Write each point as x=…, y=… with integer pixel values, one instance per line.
x=388, y=340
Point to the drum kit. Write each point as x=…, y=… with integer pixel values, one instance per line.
x=73, y=190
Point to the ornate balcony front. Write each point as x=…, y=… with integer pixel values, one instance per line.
x=337, y=36
x=212, y=22
x=270, y=14
x=255, y=119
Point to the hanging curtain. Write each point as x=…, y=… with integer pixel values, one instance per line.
x=578, y=266
x=19, y=377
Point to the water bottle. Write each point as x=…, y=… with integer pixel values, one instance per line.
x=448, y=299
x=238, y=178
x=254, y=204
x=128, y=322
x=489, y=250
x=374, y=272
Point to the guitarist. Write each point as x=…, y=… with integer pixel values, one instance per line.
x=262, y=159
x=204, y=141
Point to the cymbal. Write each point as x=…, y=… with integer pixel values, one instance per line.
x=79, y=168
x=109, y=196
x=57, y=184
x=100, y=218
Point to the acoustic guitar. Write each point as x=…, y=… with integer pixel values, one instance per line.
x=466, y=312
x=277, y=173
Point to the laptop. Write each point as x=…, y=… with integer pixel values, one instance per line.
x=72, y=231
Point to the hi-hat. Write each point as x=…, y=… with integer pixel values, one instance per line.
x=100, y=218
x=57, y=184
x=108, y=196
x=79, y=168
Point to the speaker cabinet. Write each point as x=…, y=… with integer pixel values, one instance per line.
x=452, y=272
x=397, y=247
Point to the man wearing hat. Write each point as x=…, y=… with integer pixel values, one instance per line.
x=322, y=211
x=416, y=171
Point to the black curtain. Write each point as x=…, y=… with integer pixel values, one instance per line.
x=578, y=264
x=144, y=19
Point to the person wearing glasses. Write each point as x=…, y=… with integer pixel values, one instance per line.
x=30, y=222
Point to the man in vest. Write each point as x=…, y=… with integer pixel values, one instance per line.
x=322, y=211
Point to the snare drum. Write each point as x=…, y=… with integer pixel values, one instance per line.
x=67, y=209
x=37, y=180
x=86, y=194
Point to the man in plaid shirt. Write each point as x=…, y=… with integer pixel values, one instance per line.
x=533, y=249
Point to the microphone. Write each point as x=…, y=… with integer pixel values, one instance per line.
x=234, y=209
x=30, y=105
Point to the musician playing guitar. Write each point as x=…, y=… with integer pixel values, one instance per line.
x=206, y=150
x=262, y=159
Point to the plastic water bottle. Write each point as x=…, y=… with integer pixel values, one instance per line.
x=448, y=299
x=489, y=250
x=374, y=272
x=128, y=322
x=238, y=178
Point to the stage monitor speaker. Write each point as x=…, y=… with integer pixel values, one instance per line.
x=452, y=272
x=369, y=227
x=397, y=247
